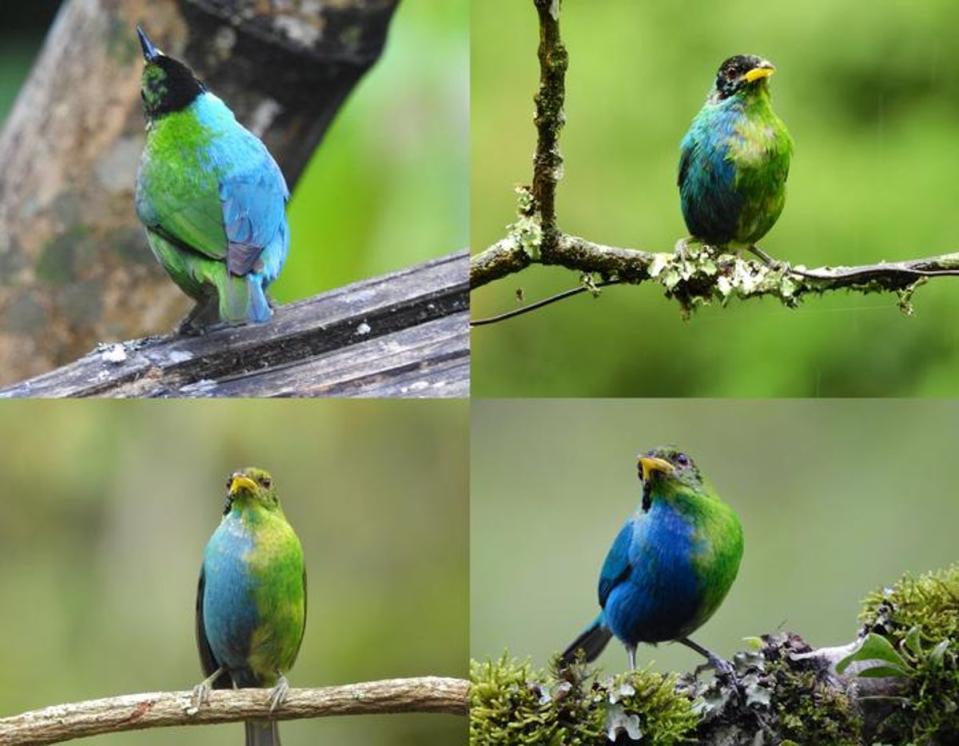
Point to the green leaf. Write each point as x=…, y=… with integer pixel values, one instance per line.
x=937, y=653
x=879, y=672
x=875, y=648
x=913, y=642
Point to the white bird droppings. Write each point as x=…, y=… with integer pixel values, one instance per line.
x=115, y=354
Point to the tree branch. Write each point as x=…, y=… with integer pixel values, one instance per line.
x=163, y=709
x=699, y=276
x=549, y=119
x=401, y=335
x=692, y=274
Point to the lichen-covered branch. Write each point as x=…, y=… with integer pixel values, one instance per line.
x=698, y=275
x=897, y=682
x=549, y=119
x=693, y=274
x=162, y=709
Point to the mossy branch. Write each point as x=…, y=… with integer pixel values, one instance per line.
x=162, y=709
x=693, y=275
x=896, y=683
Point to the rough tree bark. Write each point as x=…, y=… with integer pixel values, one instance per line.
x=405, y=334
x=74, y=265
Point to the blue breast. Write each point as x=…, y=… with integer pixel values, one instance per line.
x=660, y=597
x=710, y=202
x=229, y=608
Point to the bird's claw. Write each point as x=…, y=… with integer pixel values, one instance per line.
x=681, y=250
x=278, y=693
x=201, y=695
x=722, y=667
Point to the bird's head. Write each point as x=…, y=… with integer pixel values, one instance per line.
x=744, y=73
x=665, y=470
x=251, y=487
x=167, y=84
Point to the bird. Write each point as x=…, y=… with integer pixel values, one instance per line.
x=670, y=566
x=734, y=160
x=210, y=195
x=251, y=598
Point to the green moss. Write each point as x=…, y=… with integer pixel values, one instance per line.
x=920, y=617
x=512, y=703
x=810, y=711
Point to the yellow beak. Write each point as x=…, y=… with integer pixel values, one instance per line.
x=650, y=464
x=240, y=482
x=758, y=72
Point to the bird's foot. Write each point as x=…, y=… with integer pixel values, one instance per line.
x=684, y=252
x=201, y=692
x=278, y=693
x=722, y=667
x=201, y=318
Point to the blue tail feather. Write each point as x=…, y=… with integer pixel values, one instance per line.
x=592, y=642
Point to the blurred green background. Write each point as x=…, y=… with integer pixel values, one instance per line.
x=836, y=498
x=107, y=508
x=388, y=186
x=871, y=96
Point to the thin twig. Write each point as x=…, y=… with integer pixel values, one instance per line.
x=591, y=288
x=162, y=709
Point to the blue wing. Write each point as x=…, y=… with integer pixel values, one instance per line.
x=616, y=567
x=253, y=211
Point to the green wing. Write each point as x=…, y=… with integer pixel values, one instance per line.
x=186, y=212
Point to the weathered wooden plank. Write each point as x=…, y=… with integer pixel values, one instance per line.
x=403, y=334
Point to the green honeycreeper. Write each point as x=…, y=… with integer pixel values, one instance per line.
x=734, y=159
x=251, y=600
x=671, y=565
x=210, y=196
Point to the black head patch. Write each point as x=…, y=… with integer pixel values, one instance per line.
x=167, y=84
x=731, y=77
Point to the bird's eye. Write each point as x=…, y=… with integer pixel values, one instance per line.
x=682, y=459
x=266, y=482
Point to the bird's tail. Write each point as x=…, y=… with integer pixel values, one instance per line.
x=591, y=642
x=243, y=299
x=262, y=733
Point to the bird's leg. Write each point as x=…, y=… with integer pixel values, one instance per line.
x=278, y=693
x=201, y=692
x=682, y=249
x=765, y=258
x=631, y=654
x=720, y=666
x=205, y=313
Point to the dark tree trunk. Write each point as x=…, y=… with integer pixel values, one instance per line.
x=74, y=265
